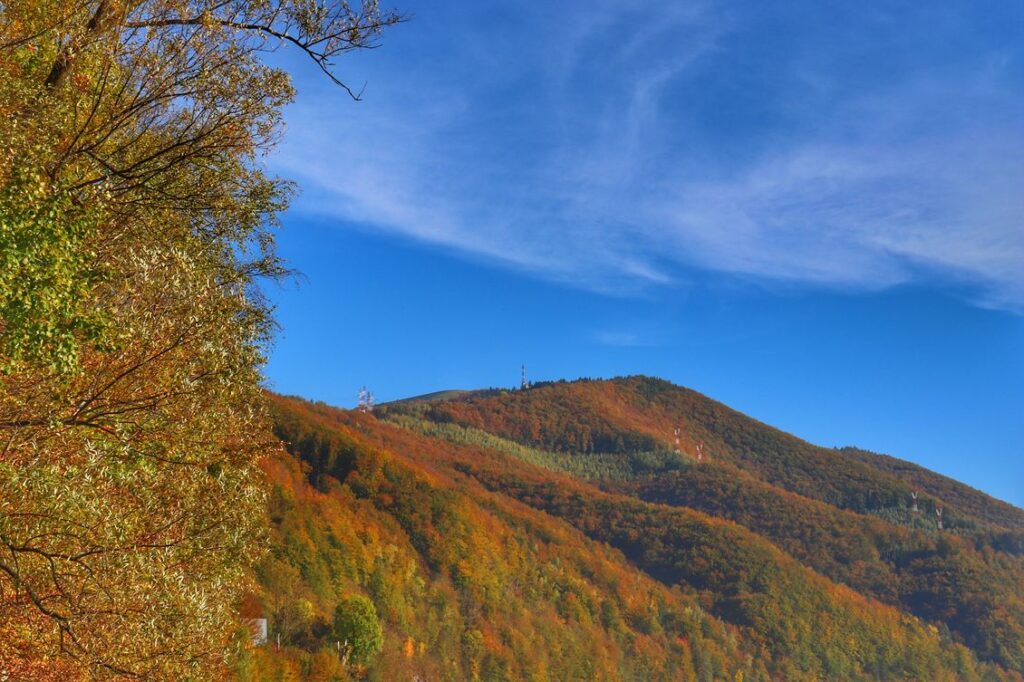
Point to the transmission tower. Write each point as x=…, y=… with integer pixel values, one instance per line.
x=938, y=513
x=700, y=451
x=676, y=432
x=523, y=384
x=914, y=507
x=365, y=400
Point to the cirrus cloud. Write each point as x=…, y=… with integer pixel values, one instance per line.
x=617, y=148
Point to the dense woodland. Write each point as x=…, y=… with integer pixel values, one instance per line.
x=845, y=513
x=656, y=564
x=466, y=584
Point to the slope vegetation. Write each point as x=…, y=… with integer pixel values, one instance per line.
x=554, y=533
x=847, y=514
x=467, y=584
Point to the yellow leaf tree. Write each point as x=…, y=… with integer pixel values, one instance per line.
x=135, y=226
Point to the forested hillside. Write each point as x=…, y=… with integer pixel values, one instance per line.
x=466, y=584
x=563, y=514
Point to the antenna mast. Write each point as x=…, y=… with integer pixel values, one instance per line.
x=365, y=400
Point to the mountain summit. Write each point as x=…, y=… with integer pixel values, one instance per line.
x=627, y=529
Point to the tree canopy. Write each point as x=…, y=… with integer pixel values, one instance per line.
x=136, y=223
x=357, y=628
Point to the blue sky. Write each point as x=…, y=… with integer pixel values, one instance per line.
x=811, y=211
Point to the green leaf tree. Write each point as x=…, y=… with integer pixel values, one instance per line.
x=356, y=626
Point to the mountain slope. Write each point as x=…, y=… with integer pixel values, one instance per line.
x=468, y=584
x=561, y=515
x=640, y=413
x=436, y=396
x=954, y=493
x=845, y=513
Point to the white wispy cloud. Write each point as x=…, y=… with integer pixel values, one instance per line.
x=575, y=143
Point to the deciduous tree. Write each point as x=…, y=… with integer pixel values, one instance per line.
x=135, y=225
x=356, y=626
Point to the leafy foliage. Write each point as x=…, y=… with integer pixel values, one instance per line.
x=844, y=513
x=135, y=225
x=594, y=465
x=467, y=584
x=959, y=496
x=357, y=628
x=47, y=274
x=515, y=536
x=974, y=591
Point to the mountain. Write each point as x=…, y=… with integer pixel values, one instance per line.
x=560, y=532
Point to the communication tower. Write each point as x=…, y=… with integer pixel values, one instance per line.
x=365, y=400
